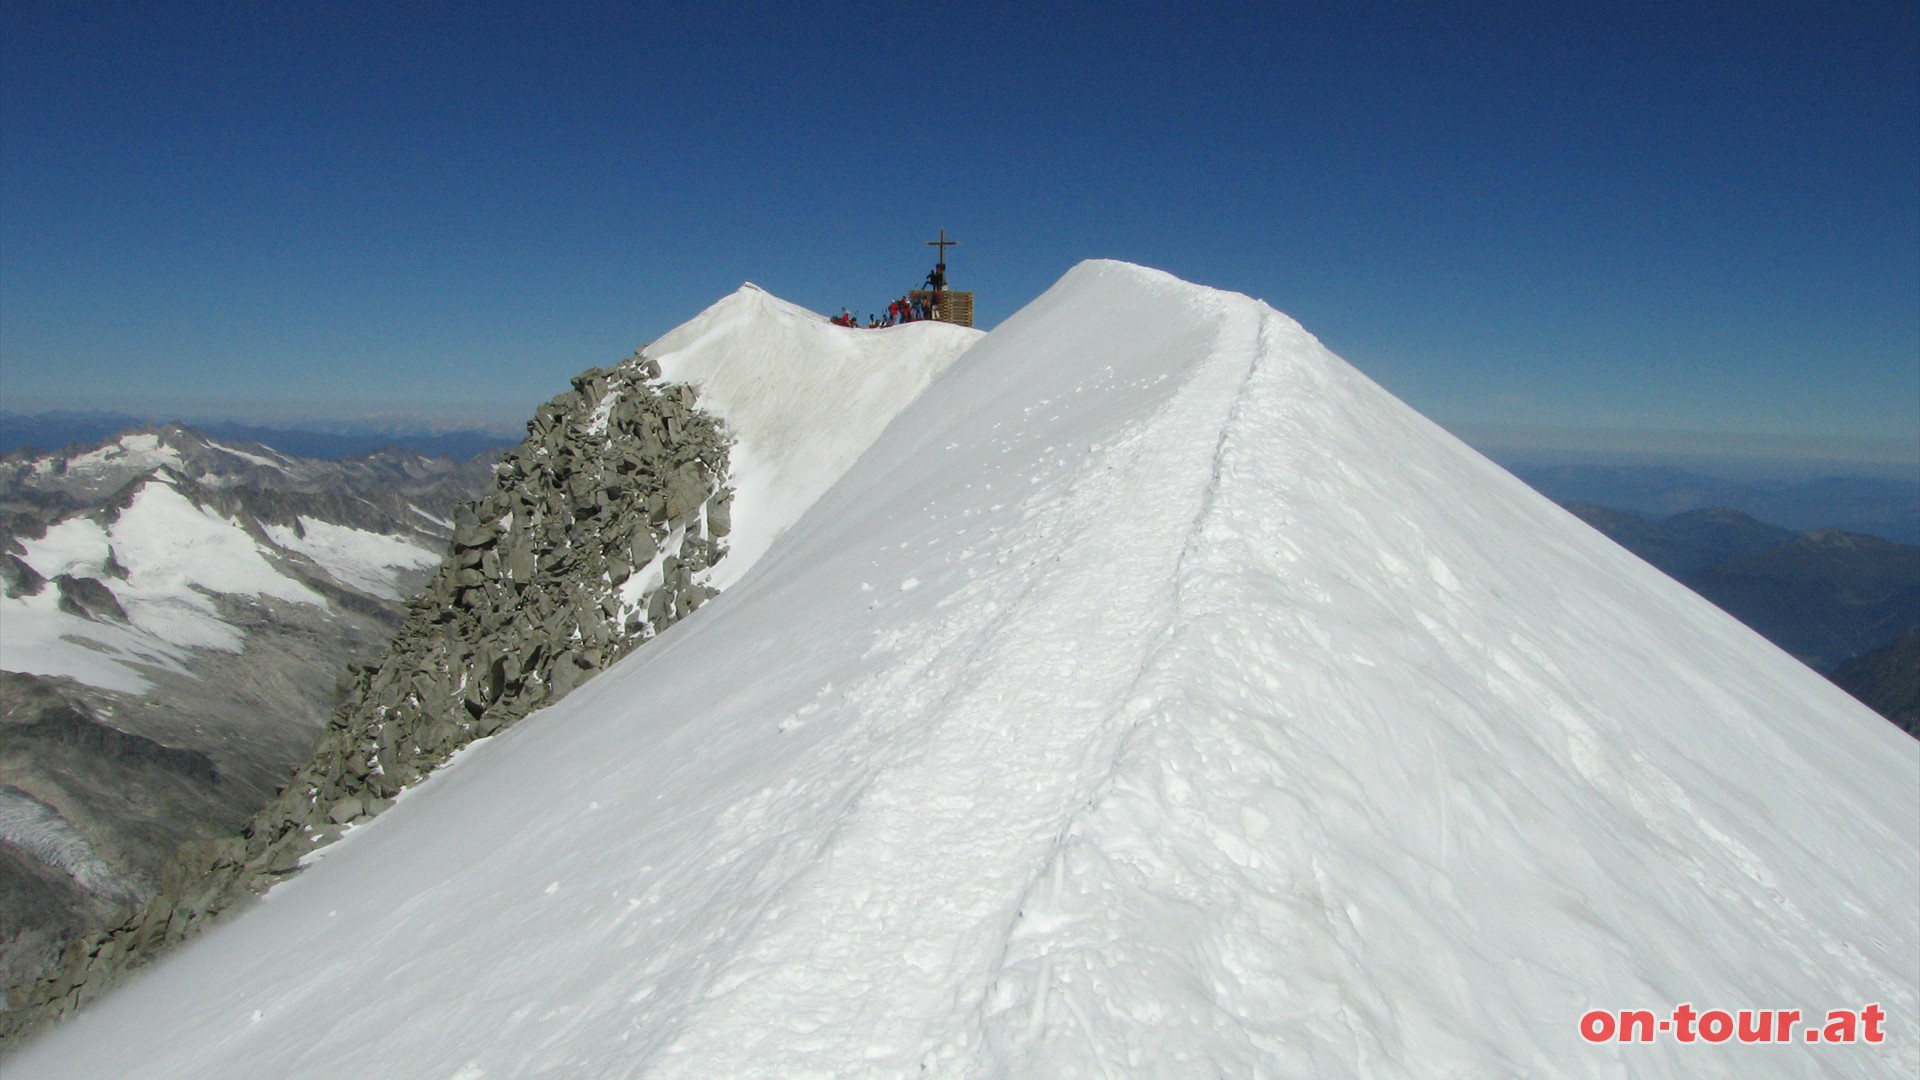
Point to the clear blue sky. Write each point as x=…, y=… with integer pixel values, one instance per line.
x=1556, y=222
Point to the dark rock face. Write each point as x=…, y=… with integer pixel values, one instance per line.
x=74, y=727
x=88, y=598
x=593, y=537
x=55, y=907
x=17, y=578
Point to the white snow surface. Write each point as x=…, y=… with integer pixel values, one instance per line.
x=1158, y=697
x=143, y=450
x=252, y=459
x=802, y=398
x=370, y=562
x=175, y=553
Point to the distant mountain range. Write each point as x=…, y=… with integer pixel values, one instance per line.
x=1841, y=602
x=1888, y=680
x=177, y=608
x=1877, y=506
x=52, y=431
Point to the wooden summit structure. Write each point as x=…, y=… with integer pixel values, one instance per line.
x=954, y=307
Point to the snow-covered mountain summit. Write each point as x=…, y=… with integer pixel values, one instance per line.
x=802, y=397
x=1156, y=697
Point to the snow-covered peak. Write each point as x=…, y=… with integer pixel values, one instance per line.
x=157, y=526
x=163, y=557
x=93, y=472
x=137, y=451
x=1157, y=696
x=802, y=398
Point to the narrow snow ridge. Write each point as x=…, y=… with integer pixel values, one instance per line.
x=957, y=763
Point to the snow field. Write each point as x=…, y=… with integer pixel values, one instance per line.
x=367, y=561
x=177, y=556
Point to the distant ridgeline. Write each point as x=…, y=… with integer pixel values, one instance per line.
x=595, y=534
x=55, y=430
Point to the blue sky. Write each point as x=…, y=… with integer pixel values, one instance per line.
x=1612, y=226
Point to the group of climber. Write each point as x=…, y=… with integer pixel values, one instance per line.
x=914, y=307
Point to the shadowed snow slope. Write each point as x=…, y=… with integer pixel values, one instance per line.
x=1157, y=697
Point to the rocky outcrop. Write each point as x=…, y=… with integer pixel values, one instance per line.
x=594, y=535
x=17, y=578
x=88, y=598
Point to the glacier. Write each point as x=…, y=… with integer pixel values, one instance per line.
x=1157, y=696
x=144, y=511
x=173, y=555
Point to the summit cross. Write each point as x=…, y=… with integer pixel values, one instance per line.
x=943, y=244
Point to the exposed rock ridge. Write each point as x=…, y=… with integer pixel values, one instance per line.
x=595, y=534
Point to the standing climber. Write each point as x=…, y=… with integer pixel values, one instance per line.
x=937, y=283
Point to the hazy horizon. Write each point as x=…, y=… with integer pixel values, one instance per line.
x=1738, y=456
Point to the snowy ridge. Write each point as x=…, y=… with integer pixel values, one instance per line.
x=803, y=399
x=132, y=454
x=1157, y=697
